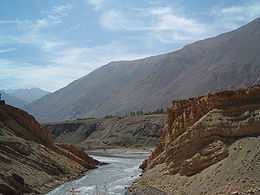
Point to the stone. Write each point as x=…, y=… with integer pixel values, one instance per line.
x=31, y=160
x=198, y=129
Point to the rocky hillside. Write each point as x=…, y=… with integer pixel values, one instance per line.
x=230, y=60
x=209, y=145
x=30, y=161
x=131, y=132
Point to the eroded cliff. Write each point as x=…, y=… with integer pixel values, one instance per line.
x=30, y=161
x=134, y=131
x=203, y=135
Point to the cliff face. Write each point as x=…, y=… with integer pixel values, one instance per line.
x=30, y=161
x=135, y=131
x=24, y=125
x=200, y=133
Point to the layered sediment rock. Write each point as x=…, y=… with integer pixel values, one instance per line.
x=30, y=160
x=197, y=129
x=131, y=131
x=200, y=133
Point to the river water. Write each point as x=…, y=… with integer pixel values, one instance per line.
x=108, y=179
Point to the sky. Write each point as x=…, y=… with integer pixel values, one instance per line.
x=50, y=43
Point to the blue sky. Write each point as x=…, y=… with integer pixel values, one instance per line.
x=49, y=43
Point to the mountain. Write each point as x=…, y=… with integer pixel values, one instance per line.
x=209, y=145
x=28, y=95
x=230, y=60
x=30, y=161
x=9, y=99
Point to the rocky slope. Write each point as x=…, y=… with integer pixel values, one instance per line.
x=134, y=131
x=209, y=145
x=226, y=61
x=30, y=161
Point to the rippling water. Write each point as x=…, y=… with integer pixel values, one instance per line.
x=112, y=178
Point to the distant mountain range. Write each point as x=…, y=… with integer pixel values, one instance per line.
x=21, y=97
x=11, y=100
x=230, y=60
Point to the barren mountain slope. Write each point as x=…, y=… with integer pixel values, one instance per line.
x=88, y=93
x=226, y=61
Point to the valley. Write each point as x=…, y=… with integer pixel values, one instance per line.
x=180, y=123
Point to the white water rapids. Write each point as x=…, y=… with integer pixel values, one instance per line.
x=108, y=179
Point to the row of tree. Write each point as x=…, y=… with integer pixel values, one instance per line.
x=136, y=113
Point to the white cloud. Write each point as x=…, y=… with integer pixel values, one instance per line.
x=232, y=17
x=25, y=75
x=160, y=10
x=43, y=42
x=72, y=28
x=30, y=31
x=170, y=37
x=161, y=22
x=63, y=63
x=179, y=24
x=64, y=66
x=61, y=9
x=87, y=59
x=96, y=3
x=116, y=20
x=168, y=25
x=10, y=22
x=6, y=50
x=51, y=18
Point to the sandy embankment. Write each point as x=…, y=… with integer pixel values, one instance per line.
x=121, y=153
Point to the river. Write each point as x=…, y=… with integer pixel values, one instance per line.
x=110, y=179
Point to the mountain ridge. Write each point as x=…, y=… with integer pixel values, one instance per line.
x=227, y=61
x=27, y=95
x=12, y=100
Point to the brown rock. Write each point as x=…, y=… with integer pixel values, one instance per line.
x=130, y=131
x=24, y=125
x=198, y=130
x=30, y=161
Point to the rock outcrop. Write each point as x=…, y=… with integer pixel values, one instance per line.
x=30, y=160
x=131, y=131
x=199, y=134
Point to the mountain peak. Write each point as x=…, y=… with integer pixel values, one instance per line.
x=27, y=95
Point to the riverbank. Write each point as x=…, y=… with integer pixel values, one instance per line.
x=145, y=191
x=121, y=170
x=122, y=152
